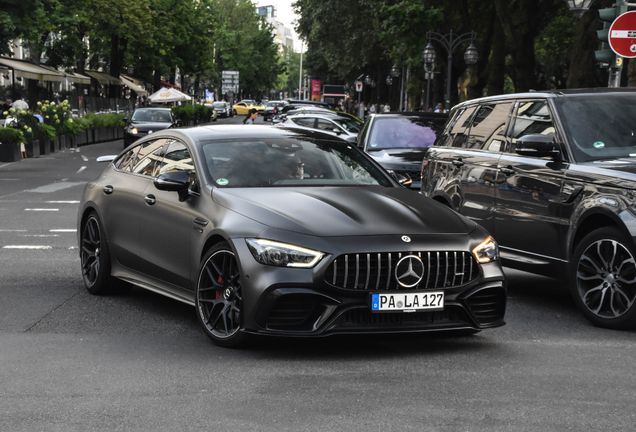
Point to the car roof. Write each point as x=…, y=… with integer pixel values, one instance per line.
x=413, y=114
x=552, y=94
x=153, y=109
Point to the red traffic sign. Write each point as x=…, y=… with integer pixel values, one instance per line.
x=358, y=86
x=622, y=35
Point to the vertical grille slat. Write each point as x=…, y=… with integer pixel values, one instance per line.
x=442, y=269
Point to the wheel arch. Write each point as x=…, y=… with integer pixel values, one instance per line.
x=592, y=220
x=213, y=240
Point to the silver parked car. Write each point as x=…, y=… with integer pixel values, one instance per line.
x=342, y=126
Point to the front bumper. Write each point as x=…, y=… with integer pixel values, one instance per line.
x=300, y=302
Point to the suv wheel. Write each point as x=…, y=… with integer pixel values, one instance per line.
x=603, y=279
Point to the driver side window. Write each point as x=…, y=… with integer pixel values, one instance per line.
x=533, y=117
x=178, y=158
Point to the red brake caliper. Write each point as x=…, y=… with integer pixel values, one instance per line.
x=218, y=293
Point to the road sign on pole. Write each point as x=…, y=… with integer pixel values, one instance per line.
x=358, y=86
x=230, y=82
x=622, y=35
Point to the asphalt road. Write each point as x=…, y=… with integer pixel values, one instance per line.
x=70, y=361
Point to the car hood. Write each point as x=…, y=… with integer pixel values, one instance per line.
x=150, y=126
x=399, y=158
x=343, y=211
x=621, y=172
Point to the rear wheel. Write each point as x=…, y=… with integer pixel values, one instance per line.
x=603, y=279
x=219, y=297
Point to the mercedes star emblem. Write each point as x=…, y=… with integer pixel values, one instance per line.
x=409, y=271
x=406, y=239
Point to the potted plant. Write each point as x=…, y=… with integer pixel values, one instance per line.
x=10, y=139
x=27, y=124
x=46, y=134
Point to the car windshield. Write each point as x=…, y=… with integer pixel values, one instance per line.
x=151, y=115
x=403, y=132
x=289, y=162
x=218, y=104
x=271, y=104
x=349, y=124
x=600, y=127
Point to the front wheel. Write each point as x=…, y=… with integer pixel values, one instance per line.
x=603, y=279
x=95, y=257
x=219, y=297
x=234, y=112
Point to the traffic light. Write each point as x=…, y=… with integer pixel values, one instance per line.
x=606, y=56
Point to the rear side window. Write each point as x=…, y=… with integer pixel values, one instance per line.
x=149, y=158
x=127, y=160
x=455, y=133
x=488, y=127
x=305, y=122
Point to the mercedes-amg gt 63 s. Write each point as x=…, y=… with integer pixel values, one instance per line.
x=284, y=232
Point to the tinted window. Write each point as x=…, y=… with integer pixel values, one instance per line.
x=600, y=127
x=326, y=125
x=350, y=125
x=455, y=134
x=532, y=117
x=488, y=127
x=126, y=161
x=149, y=158
x=403, y=132
x=177, y=158
x=305, y=122
x=289, y=162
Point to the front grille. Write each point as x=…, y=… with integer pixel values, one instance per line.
x=488, y=305
x=376, y=271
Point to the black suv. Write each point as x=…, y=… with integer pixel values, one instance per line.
x=552, y=176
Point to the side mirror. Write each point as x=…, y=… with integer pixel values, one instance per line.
x=179, y=122
x=337, y=131
x=174, y=181
x=537, y=145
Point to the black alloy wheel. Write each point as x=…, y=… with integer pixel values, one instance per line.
x=219, y=298
x=603, y=279
x=95, y=257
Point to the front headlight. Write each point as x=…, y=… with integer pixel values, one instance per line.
x=282, y=255
x=487, y=251
x=134, y=131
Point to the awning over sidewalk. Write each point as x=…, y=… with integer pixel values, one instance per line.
x=167, y=84
x=28, y=70
x=77, y=78
x=103, y=78
x=130, y=83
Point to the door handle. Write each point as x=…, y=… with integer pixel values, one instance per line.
x=458, y=162
x=507, y=170
x=150, y=199
x=108, y=190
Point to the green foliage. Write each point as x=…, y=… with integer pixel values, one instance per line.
x=44, y=131
x=11, y=136
x=101, y=121
x=193, y=112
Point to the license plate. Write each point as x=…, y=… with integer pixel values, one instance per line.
x=407, y=302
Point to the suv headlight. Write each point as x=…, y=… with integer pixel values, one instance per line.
x=486, y=251
x=283, y=255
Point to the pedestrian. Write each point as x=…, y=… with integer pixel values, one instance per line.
x=372, y=109
x=275, y=112
x=439, y=108
x=251, y=116
x=387, y=108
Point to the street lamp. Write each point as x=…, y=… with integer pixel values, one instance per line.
x=368, y=79
x=578, y=7
x=389, y=80
x=395, y=71
x=450, y=42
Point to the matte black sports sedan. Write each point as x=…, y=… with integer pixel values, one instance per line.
x=284, y=232
x=145, y=121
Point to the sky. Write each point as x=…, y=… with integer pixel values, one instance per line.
x=285, y=14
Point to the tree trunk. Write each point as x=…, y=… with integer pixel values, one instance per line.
x=583, y=66
x=496, y=69
x=118, y=48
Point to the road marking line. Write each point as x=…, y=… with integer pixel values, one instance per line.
x=26, y=247
x=41, y=209
x=61, y=202
x=80, y=170
x=63, y=230
x=7, y=230
x=40, y=235
x=84, y=158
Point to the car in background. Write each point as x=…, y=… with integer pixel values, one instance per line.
x=552, y=176
x=269, y=109
x=145, y=121
x=337, y=126
x=281, y=232
x=223, y=109
x=398, y=141
x=244, y=106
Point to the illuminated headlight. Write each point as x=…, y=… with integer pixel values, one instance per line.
x=134, y=131
x=487, y=251
x=282, y=255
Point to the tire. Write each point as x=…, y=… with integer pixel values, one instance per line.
x=234, y=112
x=95, y=258
x=603, y=279
x=219, y=297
